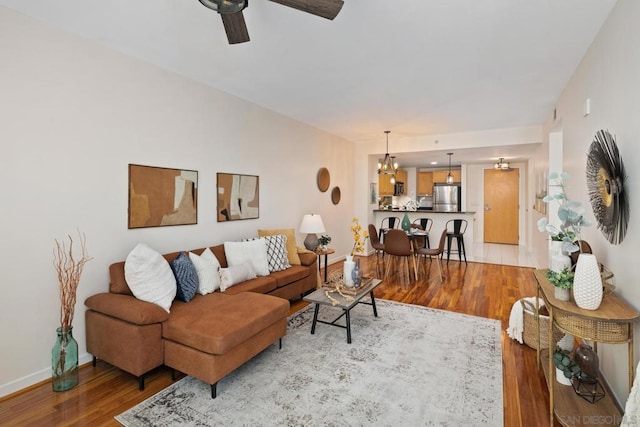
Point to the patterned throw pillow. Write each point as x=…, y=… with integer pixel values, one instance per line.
x=186, y=277
x=277, y=252
x=292, y=247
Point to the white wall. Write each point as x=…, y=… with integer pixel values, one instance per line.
x=608, y=75
x=73, y=115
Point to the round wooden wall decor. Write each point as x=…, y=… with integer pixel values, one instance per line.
x=606, y=180
x=323, y=179
x=335, y=195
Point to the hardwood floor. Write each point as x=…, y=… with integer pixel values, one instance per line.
x=486, y=290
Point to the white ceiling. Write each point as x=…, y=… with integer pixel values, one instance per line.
x=416, y=67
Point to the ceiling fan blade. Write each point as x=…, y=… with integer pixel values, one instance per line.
x=235, y=27
x=325, y=8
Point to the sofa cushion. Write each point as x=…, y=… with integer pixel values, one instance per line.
x=150, y=277
x=127, y=308
x=292, y=247
x=237, y=274
x=186, y=277
x=207, y=267
x=252, y=251
x=217, y=322
x=290, y=275
x=260, y=285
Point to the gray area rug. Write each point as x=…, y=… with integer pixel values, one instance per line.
x=410, y=366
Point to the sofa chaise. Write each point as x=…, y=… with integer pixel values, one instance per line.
x=208, y=337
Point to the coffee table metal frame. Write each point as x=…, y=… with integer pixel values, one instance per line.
x=318, y=297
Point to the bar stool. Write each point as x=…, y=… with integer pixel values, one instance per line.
x=456, y=228
x=424, y=224
x=387, y=223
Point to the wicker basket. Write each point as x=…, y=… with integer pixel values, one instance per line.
x=530, y=327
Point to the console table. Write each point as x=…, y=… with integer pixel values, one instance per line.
x=611, y=323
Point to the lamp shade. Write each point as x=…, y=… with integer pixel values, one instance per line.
x=312, y=223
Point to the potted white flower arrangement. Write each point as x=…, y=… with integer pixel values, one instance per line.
x=324, y=241
x=587, y=282
x=570, y=213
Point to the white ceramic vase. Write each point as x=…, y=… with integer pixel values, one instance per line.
x=566, y=343
x=587, y=283
x=555, y=248
x=562, y=294
x=561, y=378
x=559, y=262
x=346, y=272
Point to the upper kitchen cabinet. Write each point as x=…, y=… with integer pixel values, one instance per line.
x=425, y=183
x=401, y=176
x=441, y=176
x=385, y=187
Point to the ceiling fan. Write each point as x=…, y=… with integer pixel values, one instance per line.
x=231, y=13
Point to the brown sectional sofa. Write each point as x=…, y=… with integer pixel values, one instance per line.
x=208, y=337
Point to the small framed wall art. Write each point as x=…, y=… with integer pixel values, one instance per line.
x=162, y=196
x=238, y=197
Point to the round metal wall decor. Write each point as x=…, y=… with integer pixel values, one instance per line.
x=335, y=195
x=606, y=180
x=323, y=179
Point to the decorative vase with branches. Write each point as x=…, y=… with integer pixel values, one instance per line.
x=359, y=237
x=64, y=355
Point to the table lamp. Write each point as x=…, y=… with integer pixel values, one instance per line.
x=311, y=224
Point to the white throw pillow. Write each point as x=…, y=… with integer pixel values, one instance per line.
x=254, y=251
x=149, y=276
x=236, y=274
x=208, y=268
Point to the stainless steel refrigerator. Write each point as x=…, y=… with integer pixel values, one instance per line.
x=446, y=198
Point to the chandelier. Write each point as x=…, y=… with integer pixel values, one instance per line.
x=388, y=166
x=502, y=165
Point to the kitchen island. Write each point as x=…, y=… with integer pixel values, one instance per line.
x=439, y=221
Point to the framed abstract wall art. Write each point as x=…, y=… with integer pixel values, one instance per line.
x=238, y=197
x=162, y=196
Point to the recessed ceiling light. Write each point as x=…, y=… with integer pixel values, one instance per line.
x=434, y=163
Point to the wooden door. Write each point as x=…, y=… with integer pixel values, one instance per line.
x=501, y=206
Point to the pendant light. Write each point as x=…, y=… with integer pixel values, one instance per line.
x=388, y=166
x=449, y=176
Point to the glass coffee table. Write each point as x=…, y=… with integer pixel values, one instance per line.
x=345, y=302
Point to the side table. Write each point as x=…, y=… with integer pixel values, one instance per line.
x=324, y=252
x=611, y=323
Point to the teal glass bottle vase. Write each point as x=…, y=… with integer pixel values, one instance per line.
x=406, y=223
x=64, y=361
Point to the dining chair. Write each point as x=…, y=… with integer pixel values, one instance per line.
x=425, y=224
x=375, y=241
x=398, y=245
x=419, y=241
x=388, y=223
x=434, y=253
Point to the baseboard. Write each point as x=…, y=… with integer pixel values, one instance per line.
x=35, y=378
